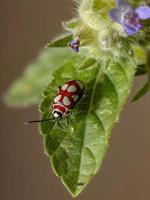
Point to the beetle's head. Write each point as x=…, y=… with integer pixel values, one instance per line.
x=57, y=114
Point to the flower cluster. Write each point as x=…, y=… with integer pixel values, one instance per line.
x=128, y=17
x=75, y=44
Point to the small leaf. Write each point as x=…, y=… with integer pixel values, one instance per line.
x=144, y=90
x=27, y=89
x=77, y=151
x=87, y=63
x=94, y=13
x=61, y=42
x=72, y=24
x=139, y=53
x=144, y=68
x=148, y=63
x=98, y=5
x=137, y=2
x=140, y=70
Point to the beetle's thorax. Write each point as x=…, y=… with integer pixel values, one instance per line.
x=59, y=110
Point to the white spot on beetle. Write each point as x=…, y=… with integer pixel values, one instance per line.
x=66, y=101
x=75, y=97
x=64, y=87
x=57, y=98
x=56, y=115
x=72, y=88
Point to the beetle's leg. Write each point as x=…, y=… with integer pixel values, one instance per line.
x=67, y=116
x=59, y=124
x=59, y=88
x=68, y=113
x=67, y=120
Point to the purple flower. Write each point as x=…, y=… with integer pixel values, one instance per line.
x=128, y=17
x=75, y=44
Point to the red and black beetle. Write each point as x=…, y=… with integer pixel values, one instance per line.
x=67, y=97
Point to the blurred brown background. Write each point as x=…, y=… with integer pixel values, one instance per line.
x=25, y=171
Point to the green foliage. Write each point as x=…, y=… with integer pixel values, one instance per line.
x=87, y=63
x=77, y=151
x=61, y=41
x=137, y=2
x=140, y=54
x=72, y=24
x=27, y=89
x=94, y=13
x=106, y=64
x=141, y=70
x=144, y=90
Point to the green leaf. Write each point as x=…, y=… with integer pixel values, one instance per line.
x=60, y=42
x=87, y=63
x=72, y=24
x=94, y=13
x=142, y=39
x=98, y=5
x=137, y=2
x=141, y=70
x=144, y=68
x=27, y=89
x=148, y=64
x=139, y=53
x=144, y=90
x=77, y=151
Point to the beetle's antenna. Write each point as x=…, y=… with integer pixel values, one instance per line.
x=37, y=121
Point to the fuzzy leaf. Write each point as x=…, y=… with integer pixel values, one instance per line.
x=139, y=53
x=98, y=5
x=140, y=70
x=60, y=42
x=77, y=151
x=95, y=12
x=27, y=89
x=144, y=90
x=72, y=24
x=137, y=2
x=87, y=63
